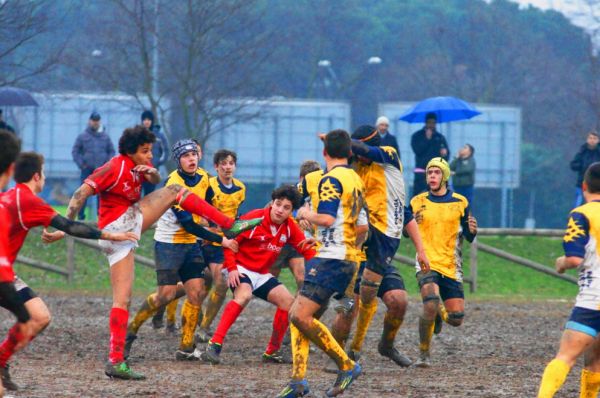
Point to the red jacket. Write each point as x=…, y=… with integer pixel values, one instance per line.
x=260, y=246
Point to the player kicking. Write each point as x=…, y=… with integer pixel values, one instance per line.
x=444, y=219
x=178, y=254
x=340, y=200
x=249, y=270
x=581, y=248
x=118, y=182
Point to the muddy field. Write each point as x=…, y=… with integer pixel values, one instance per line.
x=500, y=351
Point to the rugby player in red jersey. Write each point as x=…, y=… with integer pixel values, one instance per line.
x=118, y=182
x=249, y=269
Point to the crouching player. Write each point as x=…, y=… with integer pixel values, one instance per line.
x=581, y=248
x=249, y=270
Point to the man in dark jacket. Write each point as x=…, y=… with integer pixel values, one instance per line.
x=4, y=125
x=427, y=144
x=463, y=172
x=387, y=139
x=588, y=154
x=91, y=150
x=160, y=148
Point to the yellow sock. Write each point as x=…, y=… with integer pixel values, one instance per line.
x=590, y=384
x=350, y=288
x=319, y=335
x=443, y=313
x=300, y=351
x=172, y=311
x=215, y=301
x=146, y=311
x=425, y=333
x=189, y=319
x=554, y=376
x=366, y=311
x=391, y=324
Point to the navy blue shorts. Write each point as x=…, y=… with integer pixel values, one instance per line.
x=585, y=321
x=287, y=253
x=324, y=277
x=213, y=254
x=178, y=262
x=380, y=250
x=391, y=281
x=449, y=288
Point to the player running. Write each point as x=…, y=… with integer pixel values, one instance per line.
x=178, y=254
x=444, y=219
x=118, y=182
x=249, y=270
x=581, y=248
x=340, y=199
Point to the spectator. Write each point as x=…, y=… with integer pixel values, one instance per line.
x=160, y=148
x=427, y=144
x=387, y=139
x=463, y=171
x=4, y=125
x=91, y=150
x=588, y=154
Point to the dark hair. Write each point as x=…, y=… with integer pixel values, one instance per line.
x=308, y=166
x=133, y=138
x=338, y=144
x=472, y=148
x=431, y=115
x=288, y=192
x=10, y=146
x=594, y=132
x=223, y=154
x=27, y=164
x=592, y=178
x=365, y=131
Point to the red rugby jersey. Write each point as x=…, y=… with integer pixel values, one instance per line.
x=118, y=186
x=260, y=246
x=6, y=270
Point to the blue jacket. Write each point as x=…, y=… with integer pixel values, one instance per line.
x=92, y=149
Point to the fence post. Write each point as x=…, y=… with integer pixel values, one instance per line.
x=473, y=265
x=70, y=259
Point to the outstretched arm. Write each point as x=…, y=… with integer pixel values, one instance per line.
x=78, y=199
x=82, y=230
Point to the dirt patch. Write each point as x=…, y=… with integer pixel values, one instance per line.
x=500, y=351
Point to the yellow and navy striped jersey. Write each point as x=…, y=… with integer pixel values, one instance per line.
x=581, y=240
x=443, y=221
x=341, y=194
x=309, y=188
x=226, y=199
x=384, y=187
x=169, y=229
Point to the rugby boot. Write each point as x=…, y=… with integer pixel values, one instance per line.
x=203, y=336
x=276, y=357
x=213, y=350
x=157, y=320
x=171, y=328
x=6, y=380
x=122, y=370
x=392, y=353
x=437, y=326
x=295, y=389
x=344, y=380
x=354, y=355
x=129, y=339
x=240, y=226
x=423, y=361
x=187, y=355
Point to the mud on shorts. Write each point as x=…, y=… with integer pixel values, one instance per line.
x=287, y=253
x=380, y=251
x=261, y=284
x=324, y=277
x=213, y=254
x=178, y=262
x=130, y=221
x=585, y=321
x=449, y=288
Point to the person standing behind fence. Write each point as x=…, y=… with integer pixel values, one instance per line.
x=387, y=139
x=463, y=172
x=160, y=151
x=427, y=144
x=588, y=154
x=91, y=150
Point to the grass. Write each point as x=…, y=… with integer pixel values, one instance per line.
x=496, y=277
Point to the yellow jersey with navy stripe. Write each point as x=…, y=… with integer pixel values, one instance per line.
x=309, y=188
x=169, y=228
x=443, y=222
x=226, y=199
x=384, y=187
x=581, y=240
x=341, y=195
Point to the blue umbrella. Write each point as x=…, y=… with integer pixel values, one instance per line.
x=447, y=109
x=13, y=96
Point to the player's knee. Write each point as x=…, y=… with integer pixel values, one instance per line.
x=431, y=304
x=165, y=296
x=42, y=320
x=368, y=290
x=395, y=302
x=456, y=318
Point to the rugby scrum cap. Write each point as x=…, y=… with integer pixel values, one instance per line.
x=442, y=165
x=367, y=134
x=182, y=147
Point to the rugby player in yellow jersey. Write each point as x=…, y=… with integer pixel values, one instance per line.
x=331, y=270
x=381, y=172
x=582, y=251
x=225, y=193
x=444, y=219
x=178, y=254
